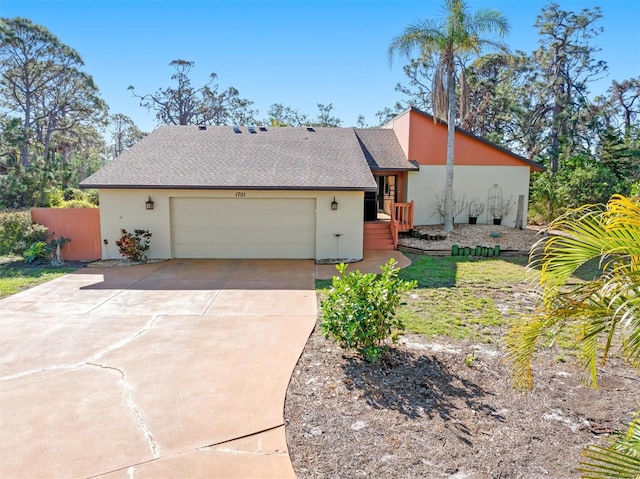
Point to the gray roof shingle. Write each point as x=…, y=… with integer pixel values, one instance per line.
x=219, y=158
x=382, y=150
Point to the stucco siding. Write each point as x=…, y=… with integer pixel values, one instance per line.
x=125, y=208
x=470, y=182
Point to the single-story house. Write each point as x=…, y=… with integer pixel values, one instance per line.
x=269, y=192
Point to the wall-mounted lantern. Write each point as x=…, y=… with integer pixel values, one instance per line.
x=334, y=204
x=149, y=204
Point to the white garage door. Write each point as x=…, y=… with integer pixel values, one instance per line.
x=243, y=228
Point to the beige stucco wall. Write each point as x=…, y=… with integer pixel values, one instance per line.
x=125, y=208
x=472, y=182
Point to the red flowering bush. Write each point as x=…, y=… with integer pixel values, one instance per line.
x=134, y=246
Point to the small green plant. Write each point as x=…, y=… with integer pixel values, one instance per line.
x=359, y=312
x=54, y=247
x=37, y=250
x=46, y=251
x=134, y=246
x=469, y=359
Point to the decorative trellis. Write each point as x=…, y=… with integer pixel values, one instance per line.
x=494, y=200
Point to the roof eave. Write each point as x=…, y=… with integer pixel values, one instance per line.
x=413, y=168
x=218, y=187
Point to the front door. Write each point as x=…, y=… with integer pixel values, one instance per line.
x=387, y=192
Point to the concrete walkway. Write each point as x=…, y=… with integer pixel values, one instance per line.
x=177, y=369
x=371, y=263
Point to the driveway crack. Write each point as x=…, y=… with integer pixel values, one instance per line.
x=89, y=360
x=130, y=401
x=124, y=341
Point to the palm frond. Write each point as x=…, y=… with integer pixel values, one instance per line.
x=601, y=310
x=620, y=460
x=521, y=341
x=425, y=36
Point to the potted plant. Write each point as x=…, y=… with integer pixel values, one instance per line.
x=500, y=210
x=474, y=209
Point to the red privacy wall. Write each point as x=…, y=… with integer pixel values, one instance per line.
x=82, y=225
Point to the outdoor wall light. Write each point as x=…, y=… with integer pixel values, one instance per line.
x=334, y=204
x=149, y=203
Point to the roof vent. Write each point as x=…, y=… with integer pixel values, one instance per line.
x=252, y=130
x=202, y=127
x=236, y=129
x=262, y=128
x=310, y=128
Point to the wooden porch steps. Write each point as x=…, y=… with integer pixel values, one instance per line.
x=377, y=235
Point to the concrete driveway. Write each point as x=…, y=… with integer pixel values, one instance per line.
x=175, y=369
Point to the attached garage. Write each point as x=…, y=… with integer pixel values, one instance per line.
x=223, y=192
x=243, y=228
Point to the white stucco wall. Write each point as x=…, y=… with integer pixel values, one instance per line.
x=125, y=208
x=471, y=182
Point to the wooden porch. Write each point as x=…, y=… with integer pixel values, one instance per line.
x=383, y=233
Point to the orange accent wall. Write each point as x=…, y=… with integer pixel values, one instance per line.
x=82, y=225
x=401, y=127
x=426, y=143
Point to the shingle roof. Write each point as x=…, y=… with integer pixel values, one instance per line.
x=219, y=158
x=382, y=150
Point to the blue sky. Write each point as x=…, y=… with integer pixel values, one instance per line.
x=298, y=53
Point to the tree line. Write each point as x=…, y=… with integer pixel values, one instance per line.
x=56, y=130
x=536, y=104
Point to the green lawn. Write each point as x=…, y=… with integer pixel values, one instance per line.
x=466, y=298
x=16, y=276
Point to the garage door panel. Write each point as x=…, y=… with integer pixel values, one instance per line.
x=243, y=228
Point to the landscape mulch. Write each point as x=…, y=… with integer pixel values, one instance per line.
x=440, y=407
x=509, y=239
x=437, y=409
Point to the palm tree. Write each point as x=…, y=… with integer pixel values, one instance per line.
x=594, y=313
x=458, y=34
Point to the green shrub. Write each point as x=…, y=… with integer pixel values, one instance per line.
x=37, y=250
x=17, y=232
x=134, y=246
x=77, y=204
x=359, y=312
x=54, y=198
x=93, y=197
x=73, y=194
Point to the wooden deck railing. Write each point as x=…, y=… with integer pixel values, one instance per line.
x=403, y=214
x=401, y=220
x=393, y=226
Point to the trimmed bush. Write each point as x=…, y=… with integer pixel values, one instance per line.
x=73, y=194
x=55, y=198
x=134, y=246
x=17, y=232
x=93, y=197
x=359, y=312
x=77, y=204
